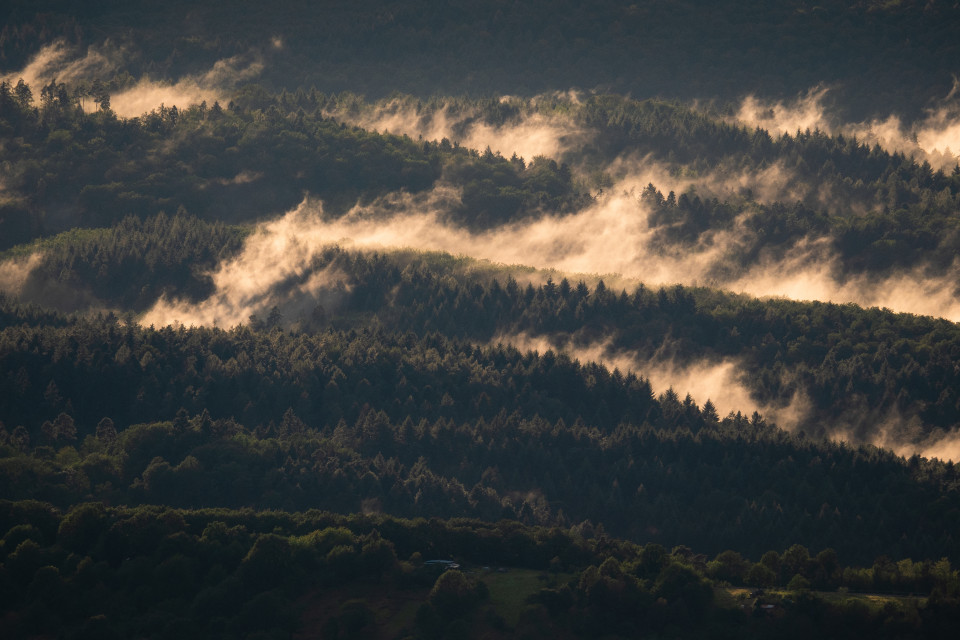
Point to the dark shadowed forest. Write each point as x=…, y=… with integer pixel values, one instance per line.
x=491, y=319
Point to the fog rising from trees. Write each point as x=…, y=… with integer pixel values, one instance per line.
x=654, y=306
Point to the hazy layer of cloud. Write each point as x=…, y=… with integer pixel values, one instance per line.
x=278, y=267
x=612, y=236
x=244, y=177
x=211, y=86
x=804, y=113
x=553, y=132
x=14, y=273
x=724, y=383
x=946, y=447
x=529, y=135
x=66, y=64
x=721, y=381
x=769, y=184
x=808, y=272
x=935, y=138
x=63, y=63
x=894, y=432
x=21, y=279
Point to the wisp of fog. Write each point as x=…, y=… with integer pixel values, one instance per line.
x=62, y=63
x=935, y=138
x=529, y=135
x=719, y=380
x=611, y=236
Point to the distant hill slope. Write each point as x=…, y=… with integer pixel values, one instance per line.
x=892, y=56
x=369, y=420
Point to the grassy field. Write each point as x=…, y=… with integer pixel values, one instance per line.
x=509, y=590
x=733, y=597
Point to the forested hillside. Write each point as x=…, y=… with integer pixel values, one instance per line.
x=68, y=168
x=823, y=367
x=428, y=426
x=493, y=320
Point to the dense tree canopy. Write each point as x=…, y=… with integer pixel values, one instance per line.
x=327, y=444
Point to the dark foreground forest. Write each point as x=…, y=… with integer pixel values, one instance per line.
x=627, y=320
